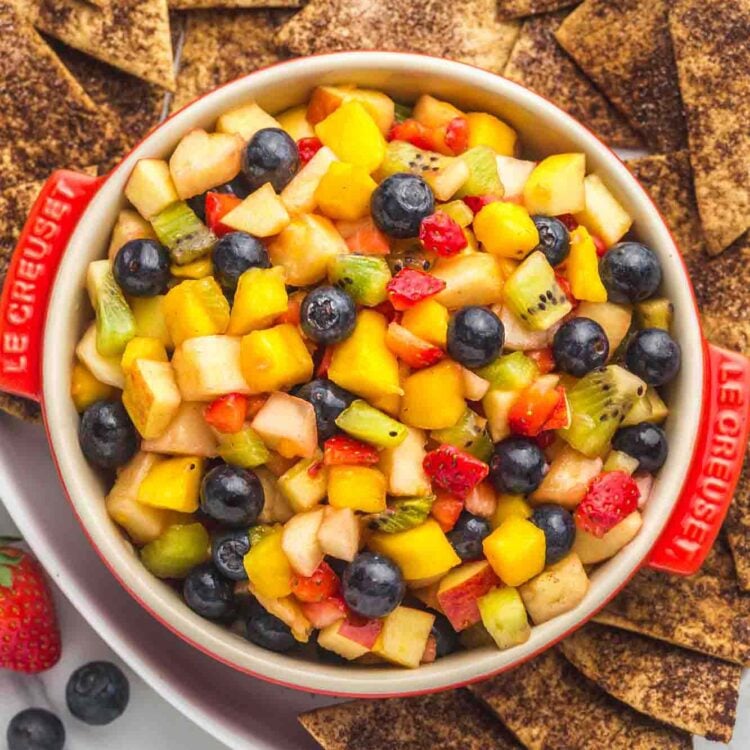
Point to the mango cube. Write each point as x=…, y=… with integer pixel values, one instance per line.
x=151, y=396
x=198, y=269
x=434, y=397
x=516, y=550
x=261, y=296
x=344, y=191
x=508, y=506
x=506, y=229
x=143, y=347
x=85, y=389
x=268, y=568
x=352, y=134
x=357, y=487
x=428, y=320
x=261, y=214
x=196, y=308
x=487, y=130
x=404, y=636
x=556, y=185
x=174, y=484
x=209, y=366
x=150, y=320
x=583, y=268
x=275, y=359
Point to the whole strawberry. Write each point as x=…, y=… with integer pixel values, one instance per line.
x=610, y=498
x=29, y=636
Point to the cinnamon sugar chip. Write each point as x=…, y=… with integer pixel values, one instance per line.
x=522, y=8
x=195, y=4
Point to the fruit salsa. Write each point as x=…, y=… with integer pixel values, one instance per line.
x=364, y=376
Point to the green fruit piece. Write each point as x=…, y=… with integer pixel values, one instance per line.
x=648, y=408
x=363, y=277
x=510, y=372
x=409, y=254
x=180, y=230
x=401, y=156
x=401, y=112
x=301, y=487
x=459, y=212
x=598, y=403
x=365, y=422
x=533, y=281
x=654, y=313
x=619, y=461
x=260, y=531
x=469, y=434
x=177, y=551
x=504, y=616
x=402, y=515
x=115, y=322
x=243, y=448
x=483, y=175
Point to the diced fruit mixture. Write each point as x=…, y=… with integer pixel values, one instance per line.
x=376, y=386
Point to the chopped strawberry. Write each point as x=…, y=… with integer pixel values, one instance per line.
x=342, y=450
x=218, y=205
x=255, y=404
x=560, y=417
x=408, y=287
x=545, y=438
x=322, y=584
x=292, y=314
x=534, y=406
x=457, y=135
x=324, y=613
x=442, y=235
x=325, y=362
x=601, y=248
x=307, y=148
x=410, y=349
x=610, y=498
x=413, y=132
x=368, y=240
x=477, y=202
x=227, y=413
x=565, y=286
x=543, y=358
x=446, y=509
x=454, y=471
x=569, y=221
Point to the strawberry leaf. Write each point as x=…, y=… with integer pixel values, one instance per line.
x=6, y=578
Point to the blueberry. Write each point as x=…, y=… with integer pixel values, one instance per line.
x=35, y=729
x=232, y=496
x=554, y=239
x=517, y=466
x=271, y=156
x=328, y=315
x=141, y=268
x=233, y=254
x=475, y=336
x=400, y=203
x=107, y=436
x=373, y=585
x=646, y=442
x=579, y=346
x=467, y=535
x=208, y=593
x=559, y=530
x=654, y=356
x=198, y=202
x=630, y=272
x=97, y=693
x=328, y=400
x=446, y=638
x=267, y=631
x=228, y=550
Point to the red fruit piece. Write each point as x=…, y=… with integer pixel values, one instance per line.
x=543, y=358
x=477, y=202
x=457, y=135
x=611, y=497
x=413, y=132
x=218, y=205
x=408, y=287
x=533, y=407
x=292, y=314
x=565, y=286
x=430, y=651
x=601, y=248
x=445, y=510
x=322, y=584
x=410, y=349
x=324, y=613
x=368, y=240
x=560, y=417
x=29, y=636
x=442, y=235
x=569, y=221
x=307, y=148
x=454, y=471
x=325, y=362
x=343, y=450
x=227, y=413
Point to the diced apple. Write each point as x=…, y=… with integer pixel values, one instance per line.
x=299, y=195
x=261, y=214
x=428, y=595
x=497, y=405
x=402, y=466
x=327, y=99
x=434, y=113
x=208, y=367
x=404, y=636
x=350, y=639
x=568, y=479
x=475, y=387
x=504, y=617
x=513, y=174
x=555, y=186
x=560, y=588
x=305, y=484
x=591, y=549
x=325, y=613
x=276, y=508
x=289, y=611
x=150, y=188
x=645, y=482
x=151, y=396
x=518, y=336
x=473, y=279
x=614, y=319
x=187, y=433
x=287, y=425
x=339, y=533
x=105, y=369
x=482, y=501
x=294, y=121
x=245, y=120
x=129, y=226
x=446, y=182
x=603, y=214
x=459, y=591
x=300, y=542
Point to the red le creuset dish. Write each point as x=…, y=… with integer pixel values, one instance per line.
x=43, y=310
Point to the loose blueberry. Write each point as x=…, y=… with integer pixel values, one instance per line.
x=35, y=729
x=328, y=400
x=654, y=356
x=233, y=254
x=141, y=268
x=232, y=496
x=630, y=272
x=270, y=156
x=559, y=530
x=446, y=638
x=97, y=693
x=579, y=346
x=107, y=435
x=467, y=535
x=400, y=203
x=228, y=550
x=373, y=585
x=646, y=442
x=475, y=336
x=208, y=593
x=267, y=631
x=328, y=315
x=554, y=239
x=517, y=466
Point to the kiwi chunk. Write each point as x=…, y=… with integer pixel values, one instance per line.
x=365, y=422
x=180, y=230
x=115, y=322
x=401, y=112
x=401, y=515
x=510, y=372
x=648, y=408
x=619, y=461
x=484, y=178
x=177, y=551
x=363, y=277
x=598, y=403
x=469, y=434
x=409, y=254
x=459, y=212
x=533, y=294
x=244, y=448
x=401, y=156
x=654, y=313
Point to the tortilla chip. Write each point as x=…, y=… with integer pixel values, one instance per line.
x=549, y=705
x=195, y=4
x=222, y=45
x=465, y=30
x=132, y=35
x=538, y=62
x=737, y=526
x=523, y=8
x=445, y=721
x=626, y=50
x=713, y=60
x=682, y=688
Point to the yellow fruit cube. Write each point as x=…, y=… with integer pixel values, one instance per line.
x=151, y=396
x=434, y=113
x=487, y=130
x=275, y=359
x=556, y=186
x=583, y=268
x=245, y=120
x=261, y=296
x=196, y=308
x=294, y=121
x=209, y=366
x=143, y=347
x=516, y=550
x=603, y=214
x=150, y=320
x=173, y=483
x=434, y=397
x=150, y=188
x=509, y=506
x=129, y=226
x=352, y=134
x=267, y=567
x=422, y=553
x=85, y=389
x=261, y=214
x=344, y=191
x=428, y=320
x=471, y=279
x=357, y=487
x=298, y=196
x=198, y=269
x=506, y=229
x=404, y=636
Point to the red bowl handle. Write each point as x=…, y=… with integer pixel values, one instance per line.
x=28, y=283
x=714, y=470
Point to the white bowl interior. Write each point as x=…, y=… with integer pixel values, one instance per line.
x=544, y=129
